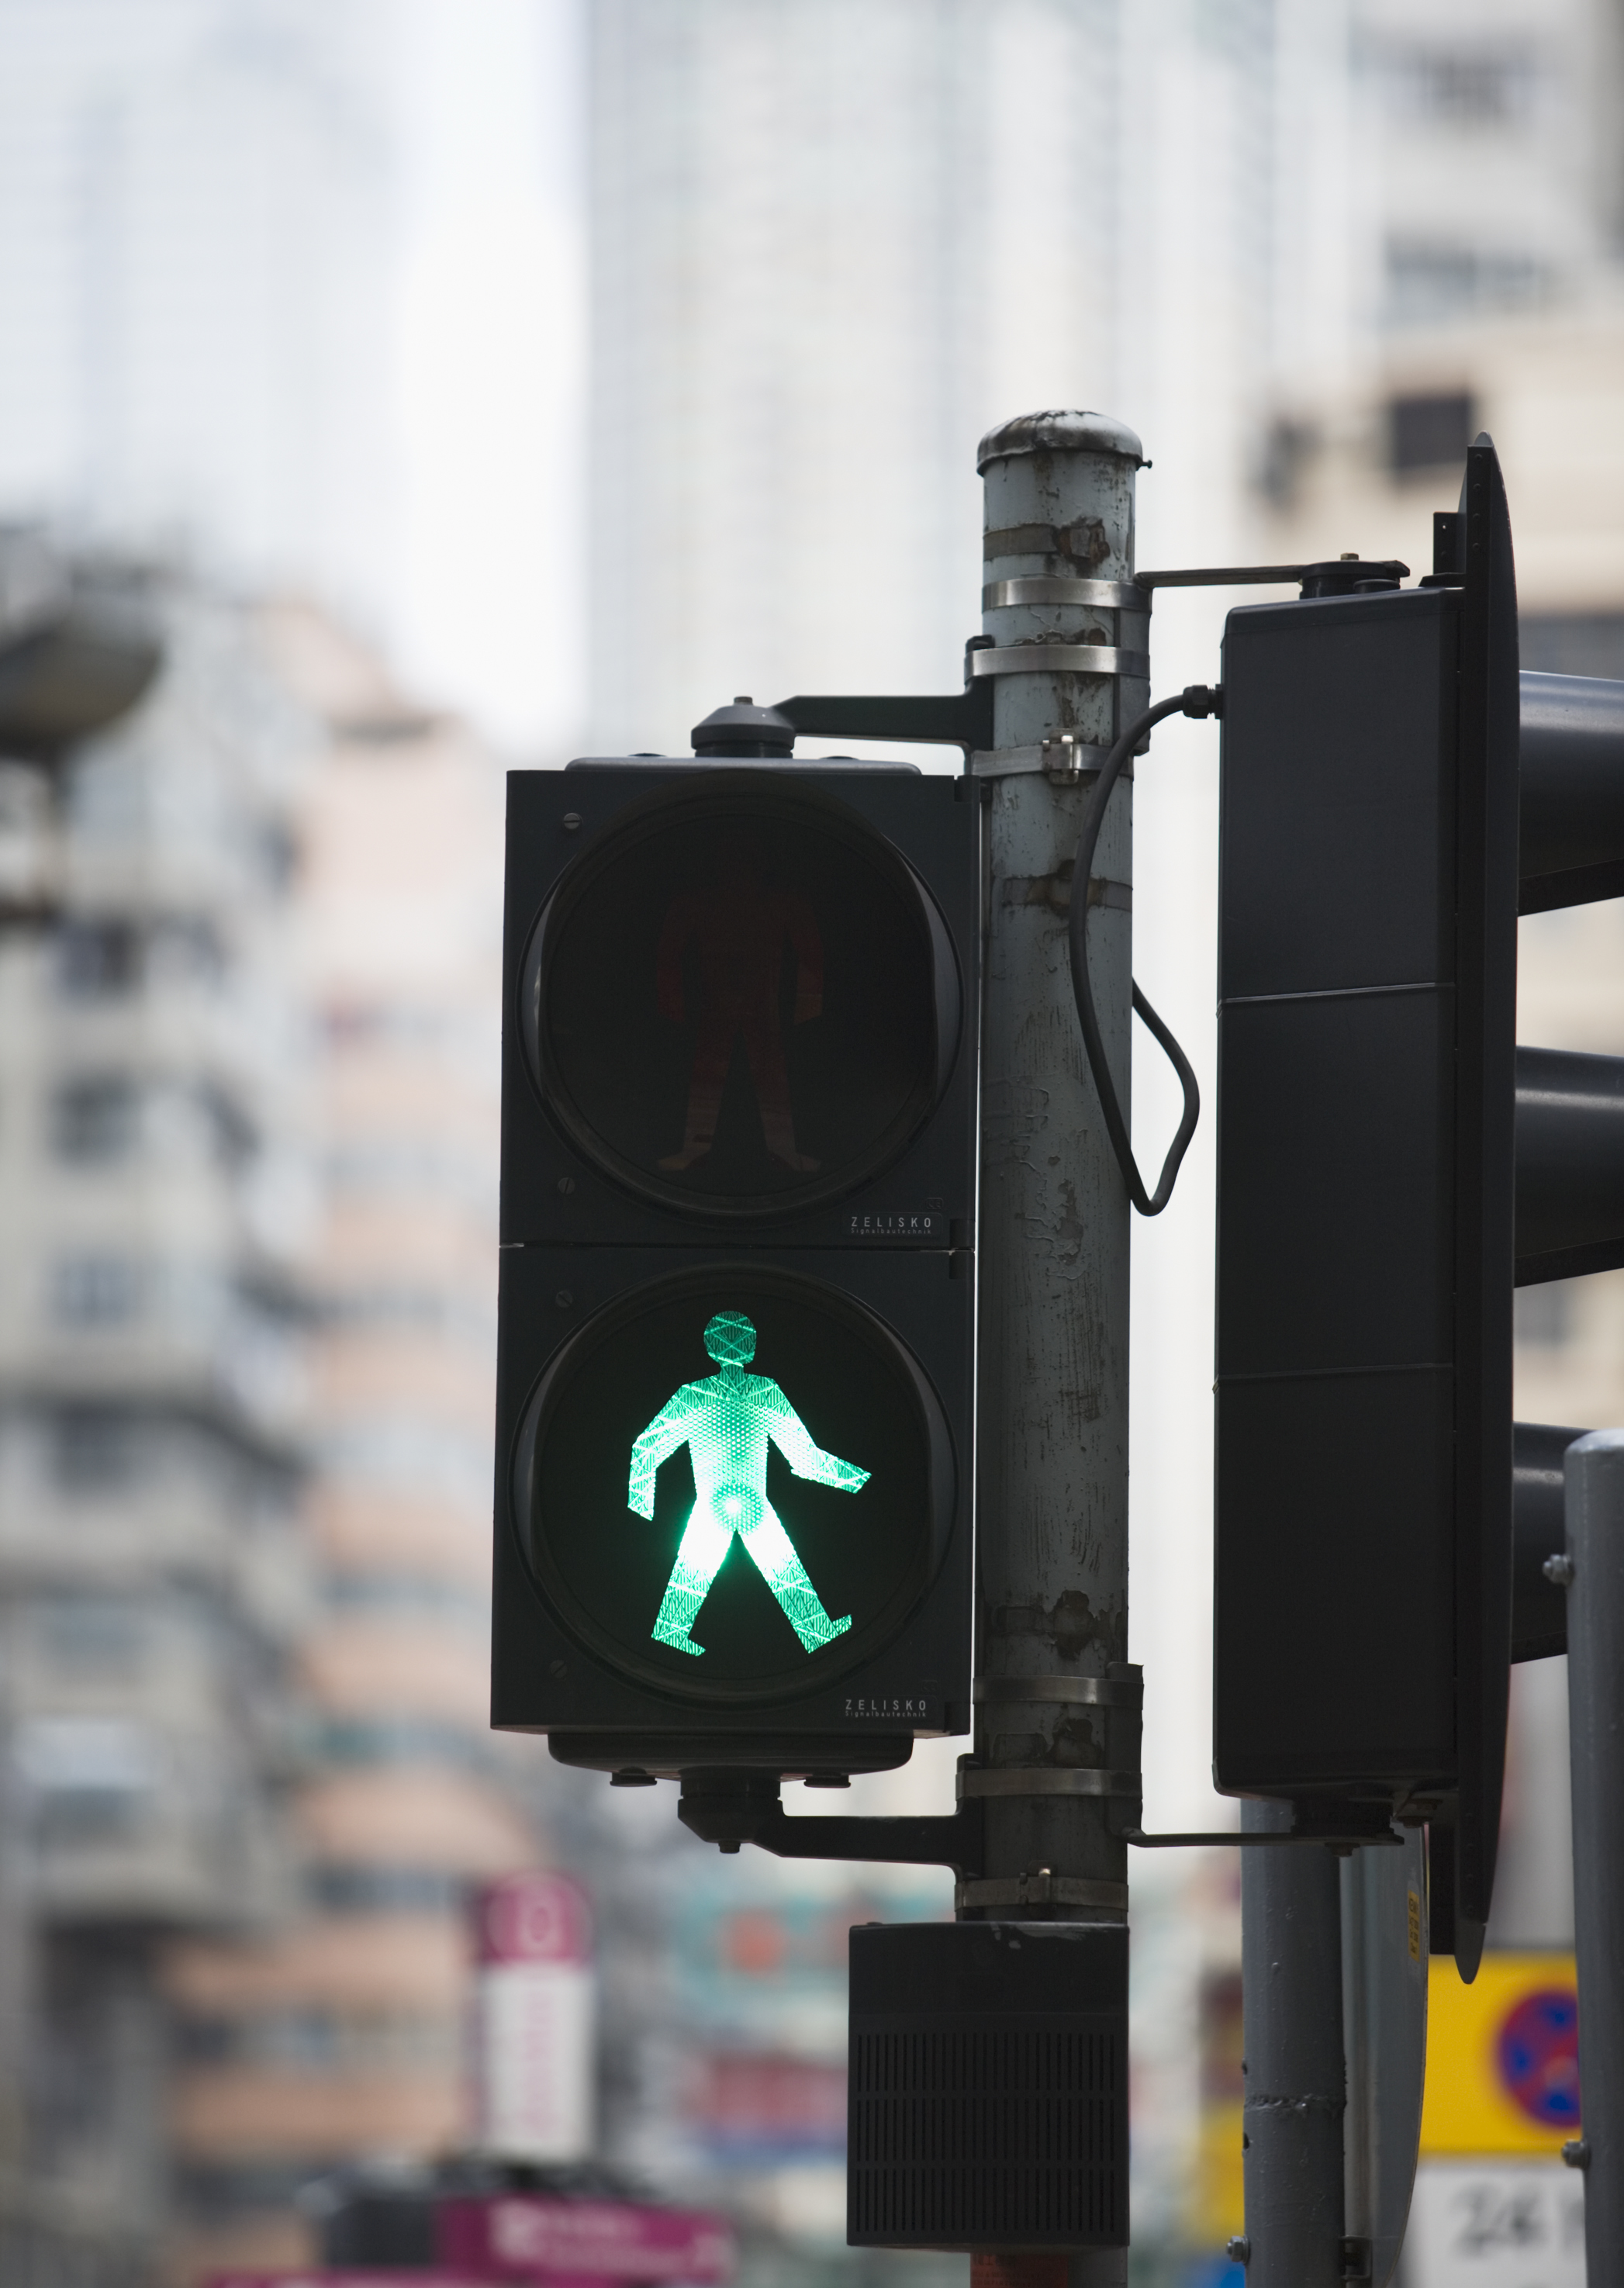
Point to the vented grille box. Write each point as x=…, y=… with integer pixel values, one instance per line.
x=988, y=2086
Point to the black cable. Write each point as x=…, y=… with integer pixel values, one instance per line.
x=1198, y=699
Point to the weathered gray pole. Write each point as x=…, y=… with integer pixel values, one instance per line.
x=1593, y=1573
x=1291, y=1974
x=1068, y=644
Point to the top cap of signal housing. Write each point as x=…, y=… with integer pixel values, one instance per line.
x=744, y=731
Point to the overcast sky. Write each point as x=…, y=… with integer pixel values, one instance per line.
x=487, y=608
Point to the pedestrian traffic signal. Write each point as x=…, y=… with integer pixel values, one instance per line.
x=736, y=1313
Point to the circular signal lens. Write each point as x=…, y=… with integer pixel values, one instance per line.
x=734, y=1484
x=740, y=1001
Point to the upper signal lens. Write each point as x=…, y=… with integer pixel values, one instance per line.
x=740, y=1001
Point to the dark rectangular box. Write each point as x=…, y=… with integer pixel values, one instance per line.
x=988, y=2086
x=1339, y=1141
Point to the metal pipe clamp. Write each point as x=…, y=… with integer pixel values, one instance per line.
x=1061, y=1691
x=1045, y=1779
x=1060, y=659
x=1103, y=595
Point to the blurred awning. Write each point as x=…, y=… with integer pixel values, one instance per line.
x=73, y=655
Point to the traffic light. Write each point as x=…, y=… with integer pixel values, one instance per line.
x=1368, y=964
x=737, y=1293
x=1390, y=1165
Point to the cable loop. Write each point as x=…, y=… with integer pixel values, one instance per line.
x=1198, y=699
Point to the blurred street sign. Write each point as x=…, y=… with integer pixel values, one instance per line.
x=519, y=2236
x=1496, y=2224
x=318, y=2278
x=1494, y=2208
x=537, y=2061
x=1502, y=2059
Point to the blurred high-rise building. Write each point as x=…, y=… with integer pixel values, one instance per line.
x=151, y=1410
x=248, y=970
x=341, y=2035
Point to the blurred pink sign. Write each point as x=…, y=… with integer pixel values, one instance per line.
x=535, y=1917
x=586, y=2241
x=320, y=2279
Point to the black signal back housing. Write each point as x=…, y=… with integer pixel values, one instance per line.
x=1367, y=972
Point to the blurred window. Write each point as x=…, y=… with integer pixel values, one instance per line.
x=1430, y=432
x=187, y=950
x=97, y=960
x=226, y=2191
x=407, y=1593
x=358, y=1890
x=92, y=1778
x=1543, y=1316
x=391, y=1307
x=1467, y=87
x=28, y=867
x=1429, y=278
x=317, y=2040
x=91, y=1635
x=1289, y=448
x=96, y=1291
x=401, y=1740
x=94, y=1119
x=234, y=1137
x=96, y=1449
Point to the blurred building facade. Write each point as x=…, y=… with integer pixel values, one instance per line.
x=151, y=1569
x=342, y=2034
x=247, y=1304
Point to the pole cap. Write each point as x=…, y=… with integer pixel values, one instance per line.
x=1059, y=433
x=745, y=730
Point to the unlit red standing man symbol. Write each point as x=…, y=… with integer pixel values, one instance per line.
x=740, y=925
x=727, y=1422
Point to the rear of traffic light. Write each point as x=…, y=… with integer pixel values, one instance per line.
x=733, y=1476
x=1367, y=1029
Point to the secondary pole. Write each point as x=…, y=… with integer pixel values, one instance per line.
x=1066, y=638
x=1295, y=2075
x=1594, y=1576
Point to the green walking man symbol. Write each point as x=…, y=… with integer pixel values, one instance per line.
x=728, y=1423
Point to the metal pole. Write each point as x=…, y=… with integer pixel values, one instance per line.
x=1052, y=1516
x=1291, y=1995
x=1052, y=1238
x=1594, y=1574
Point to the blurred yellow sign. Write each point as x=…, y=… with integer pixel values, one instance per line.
x=1218, y=2204
x=1502, y=2057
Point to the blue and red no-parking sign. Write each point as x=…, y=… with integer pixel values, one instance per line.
x=1538, y=2056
